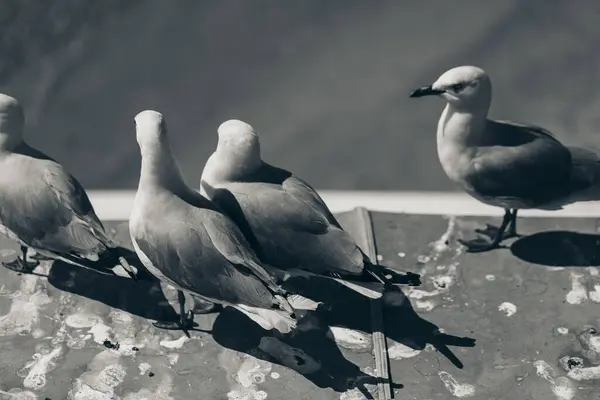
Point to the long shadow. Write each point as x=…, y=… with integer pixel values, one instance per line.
x=350, y=309
x=310, y=352
x=310, y=343
x=559, y=249
x=143, y=298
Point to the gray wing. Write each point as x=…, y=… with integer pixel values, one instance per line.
x=290, y=222
x=526, y=163
x=184, y=252
x=227, y=238
x=52, y=211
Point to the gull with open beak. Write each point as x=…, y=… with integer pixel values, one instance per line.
x=502, y=163
x=185, y=240
x=44, y=208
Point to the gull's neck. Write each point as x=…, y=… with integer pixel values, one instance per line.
x=9, y=142
x=462, y=127
x=237, y=159
x=160, y=169
x=458, y=136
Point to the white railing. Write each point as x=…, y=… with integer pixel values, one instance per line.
x=115, y=205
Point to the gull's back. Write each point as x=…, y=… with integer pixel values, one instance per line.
x=287, y=222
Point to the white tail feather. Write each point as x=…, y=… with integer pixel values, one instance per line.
x=284, y=304
x=302, y=303
x=362, y=289
x=269, y=319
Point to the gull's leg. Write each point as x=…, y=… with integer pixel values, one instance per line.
x=476, y=246
x=202, y=306
x=511, y=230
x=20, y=264
x=186, y=320
x=491, y=231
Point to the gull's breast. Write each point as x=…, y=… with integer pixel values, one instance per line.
x=456, y=161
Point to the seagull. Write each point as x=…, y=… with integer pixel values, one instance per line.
x=186, y=241
x=502, y=163
x=289, y=225
x=45, y=208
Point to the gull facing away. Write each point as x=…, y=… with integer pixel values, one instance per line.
x=43, y=207
x=502, y=163
x=283, y=217
x=185, y=240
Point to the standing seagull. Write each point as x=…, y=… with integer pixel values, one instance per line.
x=186, y=241
x=284, y=218
x=43, y=207
x=501, y=163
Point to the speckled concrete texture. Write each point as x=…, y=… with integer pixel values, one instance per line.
x=516, y=323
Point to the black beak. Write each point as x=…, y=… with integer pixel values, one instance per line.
x=425, y=91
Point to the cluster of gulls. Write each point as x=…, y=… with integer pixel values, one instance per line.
x=251, y=226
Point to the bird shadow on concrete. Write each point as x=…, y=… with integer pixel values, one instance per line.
x=311, y=350
x=559, y=249
x=143, y=298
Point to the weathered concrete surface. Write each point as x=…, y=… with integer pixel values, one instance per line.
x=525, y=317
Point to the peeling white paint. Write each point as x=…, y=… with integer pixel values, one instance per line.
x=174, y=344
x=442, y=244
x=86, y=320
x=248, y=373
x=144, y=368
x=509, y=309
x=160, y=392
x=419, y=294
x=350, y=339
x=441, y=283
x=80, y=320
x=561, y=386
x=100, y=332
x=38, y=368
x=103, y=375
x=578, y=293
x=400, y=351
x=173, y=358
x=353, y=394
x=454, y=387
x=124, y=332
x=423, y=259
x=17, y=394
x=584, y=374
x=595, y=295
x=23, y=316
x=594, y=343
x=425, y=305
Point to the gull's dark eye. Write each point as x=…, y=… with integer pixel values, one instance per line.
x=458, y=87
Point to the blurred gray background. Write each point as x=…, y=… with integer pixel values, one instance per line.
x=325, y=83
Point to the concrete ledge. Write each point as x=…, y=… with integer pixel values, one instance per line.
x=115, y=205
x=520, y=322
